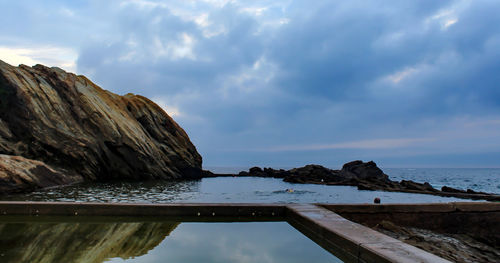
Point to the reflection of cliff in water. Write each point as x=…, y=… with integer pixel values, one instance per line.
x=79, y=242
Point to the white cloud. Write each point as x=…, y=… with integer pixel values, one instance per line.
x=445, y=18
x=256, y=11
x=207, y=26
x=64, y=58
x=185, y=48
x=219, y=3
x=284, y=21
x=170, y=110
x=130, y=56
x=449, y=22
x=145, y=4
x=401, y=75
x=250, y=79
x=182, y=48
x=202, y=20
x=363, y=144
x=443, y=14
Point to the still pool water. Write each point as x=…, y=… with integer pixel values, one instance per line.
x=221, y=190
x=46, y=240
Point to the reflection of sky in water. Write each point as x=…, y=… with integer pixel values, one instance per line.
x=97, y=239
x=235, y=242
x=221, y=190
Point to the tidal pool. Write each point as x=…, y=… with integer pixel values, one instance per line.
x=219, y=190
x=90, y=240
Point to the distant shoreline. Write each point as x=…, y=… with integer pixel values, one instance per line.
x=365, y=176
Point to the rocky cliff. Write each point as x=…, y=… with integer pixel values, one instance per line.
x=81, y=130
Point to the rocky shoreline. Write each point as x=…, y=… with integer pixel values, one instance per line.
x=363, y=175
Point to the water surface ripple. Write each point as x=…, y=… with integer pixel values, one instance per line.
x=220, y=190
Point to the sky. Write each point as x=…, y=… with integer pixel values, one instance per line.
x=286, y=83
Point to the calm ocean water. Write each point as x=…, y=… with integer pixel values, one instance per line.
x=267, y=190
x=477, y=179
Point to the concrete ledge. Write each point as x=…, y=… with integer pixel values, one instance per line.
x=136, y=210
x=477, y=206
x=415, y=208
x=357, y=243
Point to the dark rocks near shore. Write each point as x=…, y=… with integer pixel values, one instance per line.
x=456, y=247
x=363, y=175
x=74, y=127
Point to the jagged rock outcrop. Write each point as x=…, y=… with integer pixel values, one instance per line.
x=363, y=171
x=352, y=173
x=72, y=125
x=366, y=176
x=79, y=242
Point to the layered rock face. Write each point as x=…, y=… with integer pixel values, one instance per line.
x=23, y=174
x=74, y=126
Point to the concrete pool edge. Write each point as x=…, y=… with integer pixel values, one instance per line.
x=356, y=243
x=202, y=210
x=350, y=241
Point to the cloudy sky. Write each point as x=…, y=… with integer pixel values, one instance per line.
x=287, y=83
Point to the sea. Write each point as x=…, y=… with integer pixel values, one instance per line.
x=268, y=190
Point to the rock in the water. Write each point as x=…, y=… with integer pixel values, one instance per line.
x=20, y=174
x=366, y=176
x=363, y=171
x=313, y=173
x=410, y=185
x=68, y=122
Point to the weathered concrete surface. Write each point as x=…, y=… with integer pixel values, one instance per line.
x=356, y=243
x=232, y=210
x=460, y=232
x=23, y=174
x=79, y=242
x=69, y=123
x=414, y=208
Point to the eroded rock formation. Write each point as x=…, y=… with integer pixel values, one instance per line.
x=23, y=174
x=77, y=128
